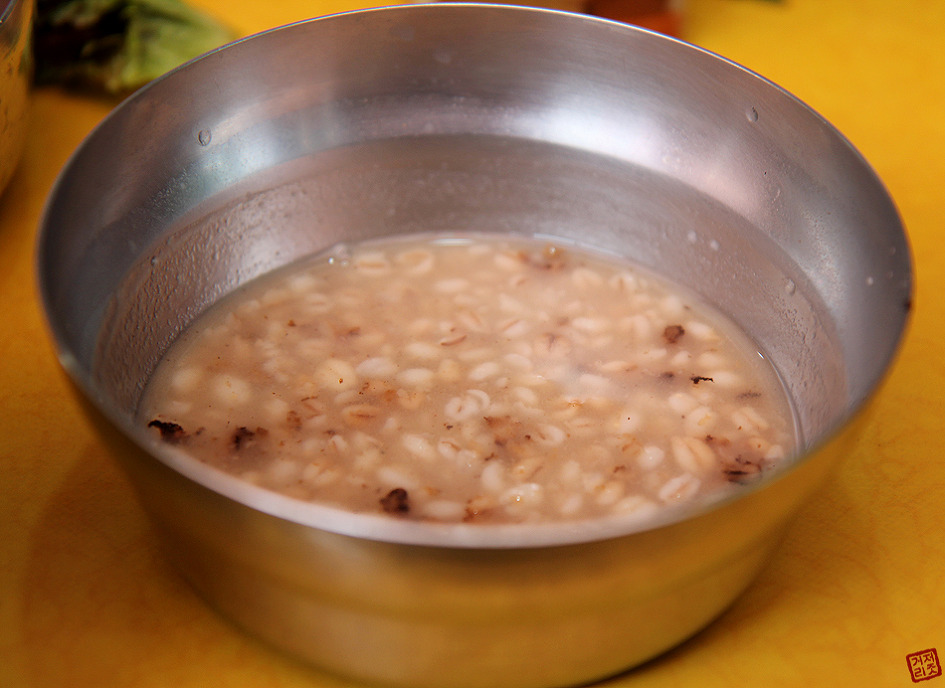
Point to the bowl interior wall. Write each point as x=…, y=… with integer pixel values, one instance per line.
x=478, y=184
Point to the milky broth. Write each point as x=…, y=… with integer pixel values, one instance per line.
x=470, y=378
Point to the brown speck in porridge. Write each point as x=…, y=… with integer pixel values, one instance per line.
x=170, y=432
x=473, y=379
x=740, y=470
x=672, y=333
x=397, y=501
x=243, y=436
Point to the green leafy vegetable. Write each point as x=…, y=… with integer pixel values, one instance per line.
x=116, y=46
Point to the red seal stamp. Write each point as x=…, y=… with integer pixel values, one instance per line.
x=924, y=665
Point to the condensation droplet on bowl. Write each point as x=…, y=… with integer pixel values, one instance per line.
x=339, y=254
x=715, y=245
x=870, y=281
x=751, y=114
x=790, y=288
x=203, y=137
x=691, y=236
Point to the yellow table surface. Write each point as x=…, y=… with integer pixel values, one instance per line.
x=859, y=583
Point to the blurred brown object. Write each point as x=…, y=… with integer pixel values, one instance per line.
x=16, y=68
x=665, y=16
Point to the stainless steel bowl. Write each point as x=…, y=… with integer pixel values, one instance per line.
x=16, y=71
x=486, y=118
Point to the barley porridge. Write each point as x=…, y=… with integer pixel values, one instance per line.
x=476, y=379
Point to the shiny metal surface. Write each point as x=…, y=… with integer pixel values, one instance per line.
x=472, y=118
x=16, y=17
